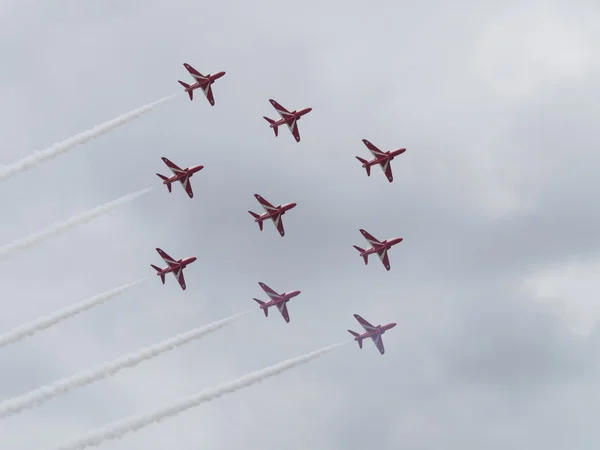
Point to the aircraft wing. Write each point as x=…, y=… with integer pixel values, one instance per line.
x=278, y=222
x=283, y=113
x=383, y=256
x=207, y=89
x=370, y=238
x=185, y=182
x=378, y=341
x=374, y=150
x=174, y=167
x=180, y=278
x=366, y=325
x=270, y=292
x=387, y=169
x=293, y=126
x=268, y=207
x=194, y=73
x=282, y=307
x=166, y=258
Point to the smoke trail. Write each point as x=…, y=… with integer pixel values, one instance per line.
x=69, y=224
x=122, y=427
x=52, y=319
x=39, y=157
x=49, y=391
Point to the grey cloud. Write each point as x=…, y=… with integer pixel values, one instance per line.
x=474, y=361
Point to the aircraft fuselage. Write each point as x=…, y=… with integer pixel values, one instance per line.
x=181, y=264
x=281, y=210
x=387, y=244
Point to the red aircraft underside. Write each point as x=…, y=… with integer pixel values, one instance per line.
x=173, y=266
x=381, y=158
x=371, y=331
x=271, y=212
x=203, y=82
x=377, y=246
x=289, y=118
x=181, y=175
x=278, y=300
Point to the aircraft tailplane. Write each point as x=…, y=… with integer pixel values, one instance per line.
x=262, y=304
x=256, y=216
x=162, y=177
x=271, y=121
x=364, y=161
x=365, y=257
x=162, y=275
x=187, y=88
x=356, y=335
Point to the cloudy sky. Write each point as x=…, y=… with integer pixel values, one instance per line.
x=494, y=287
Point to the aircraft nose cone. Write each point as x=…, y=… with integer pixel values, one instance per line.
x=193, y=258
x=392, y=325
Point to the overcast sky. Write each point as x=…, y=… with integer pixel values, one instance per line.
x=494, y=287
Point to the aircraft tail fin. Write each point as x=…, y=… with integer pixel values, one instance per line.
x=365, y=257
x=356, y=335
x=262, y=304
x=187, y=86
x=364, y=162
x=162, y=275
x=257, y=217
x=271, y=121
x=162, y=177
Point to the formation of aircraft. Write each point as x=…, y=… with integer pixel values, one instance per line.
x=371, y=331
x=181, y=175
x=173, y=266
x=271, y=212
x=278, y=300
x=289, y=118
x=275, y=213
x=203, y=82
x=377, y=246
x=381, y=158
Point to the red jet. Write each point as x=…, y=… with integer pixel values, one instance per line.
x=288, y=118
x=379, y=247
x=181, y=175
x=371, y=332
x=175, y=267
x=279, y=300
x=272, y=212
x=381, y=158
x=203, y=82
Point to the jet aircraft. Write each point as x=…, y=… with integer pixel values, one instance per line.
x=379, y=247
x=373, y=332
x=272, y=212
x=278, y=300
x=203, y=82
x=174, y=266
x=181, y=175
x=381, y=158
x=289, y=118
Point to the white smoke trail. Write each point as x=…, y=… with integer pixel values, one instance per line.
x=122, y=427
x=52, y=319
x=49, y=391
x=39, y=157
x=69, y=224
